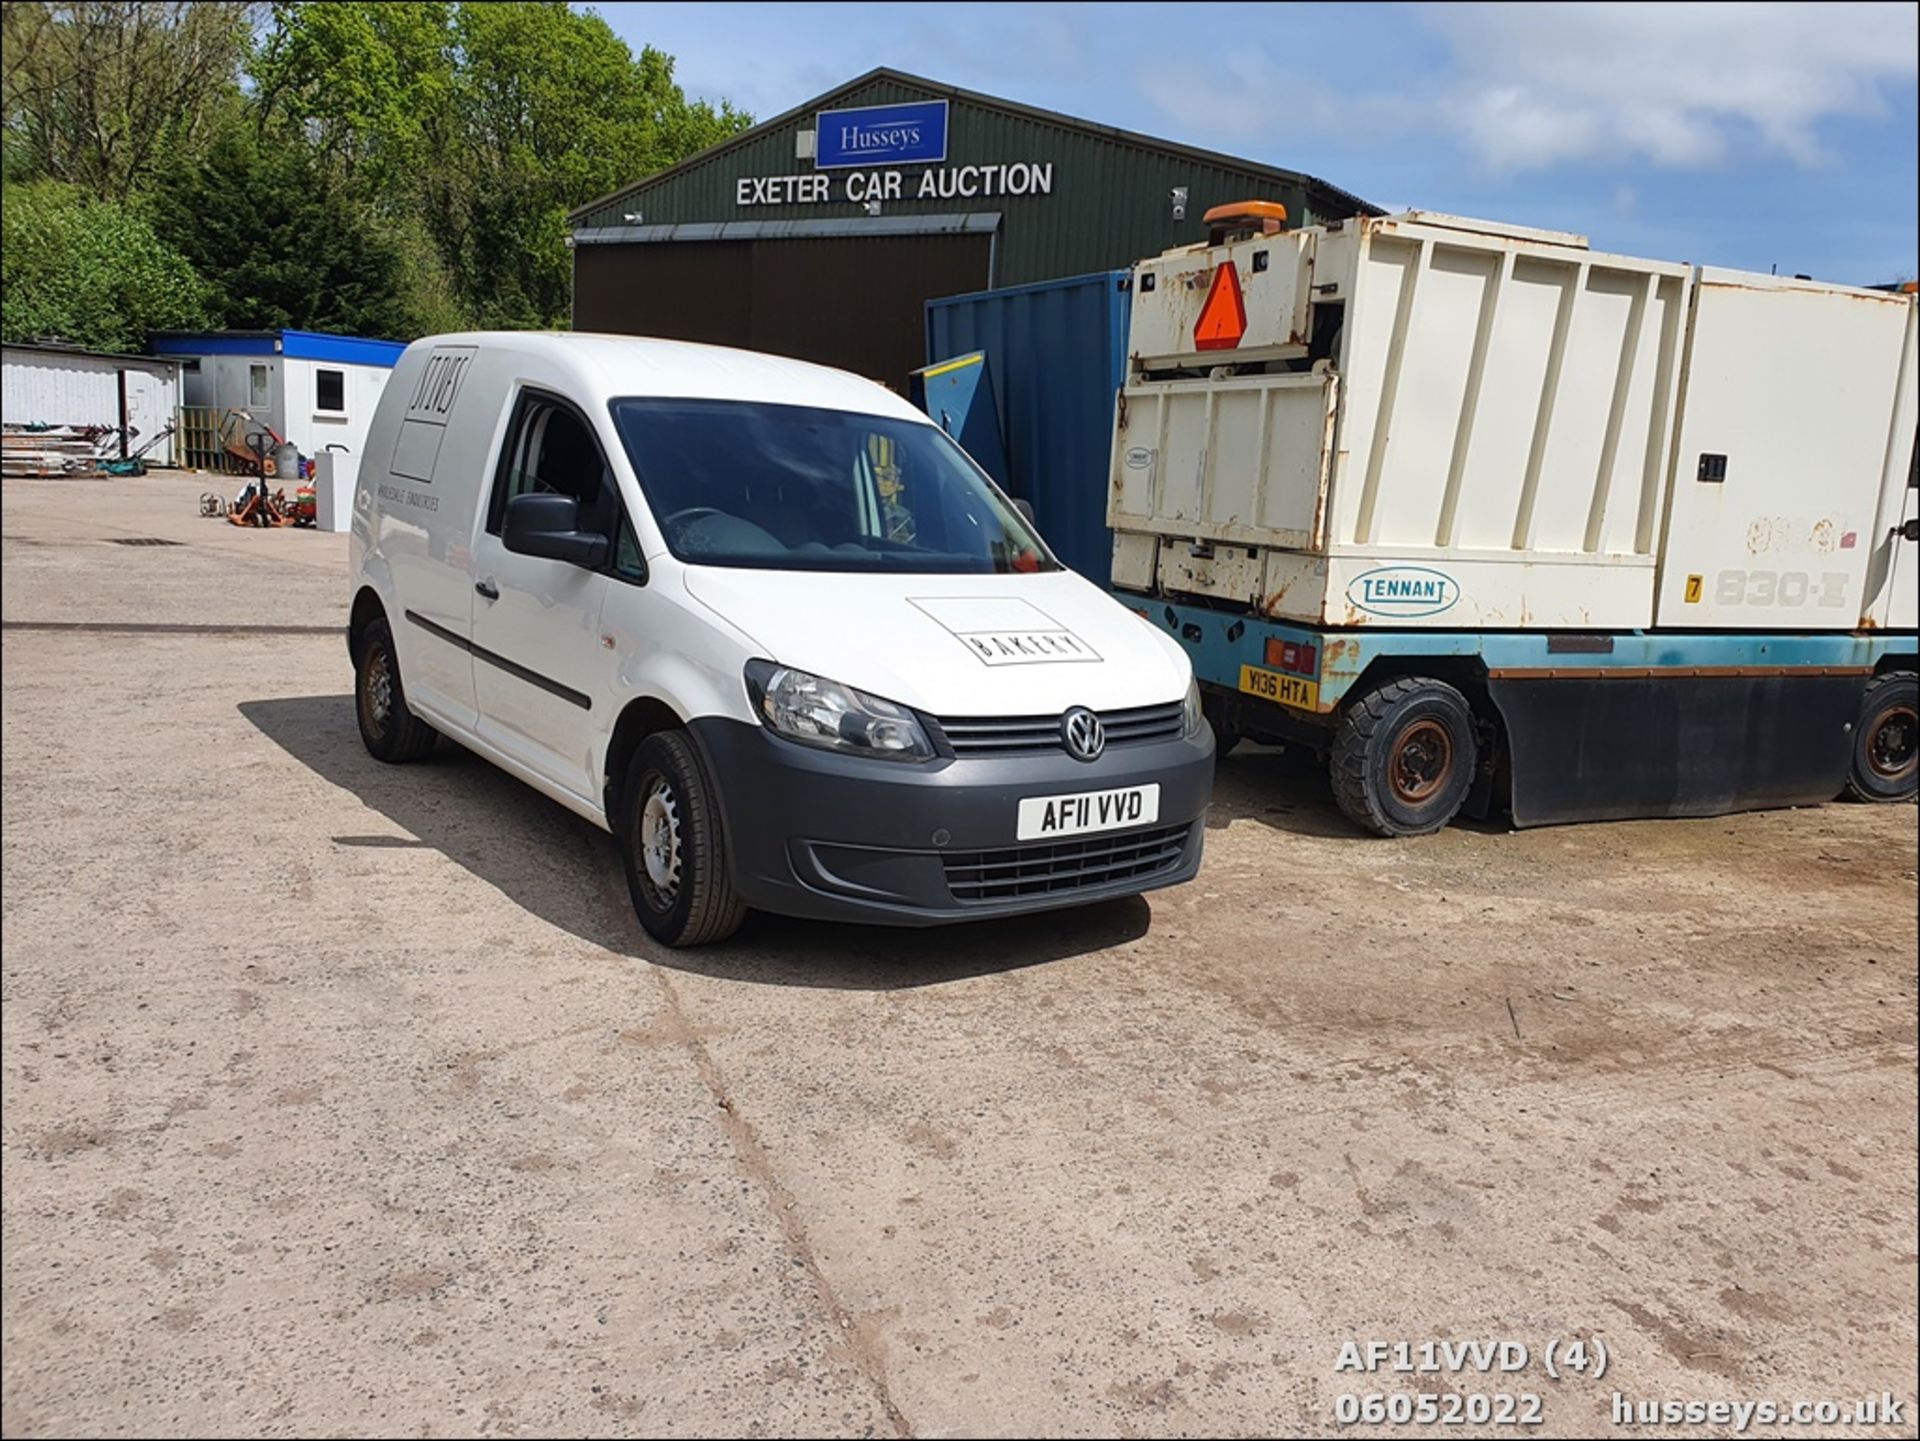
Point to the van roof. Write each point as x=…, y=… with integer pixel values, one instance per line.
x=606, y=367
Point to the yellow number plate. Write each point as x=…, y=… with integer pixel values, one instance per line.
x=1286, y=689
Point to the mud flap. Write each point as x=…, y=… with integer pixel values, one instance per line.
x=1585, y=750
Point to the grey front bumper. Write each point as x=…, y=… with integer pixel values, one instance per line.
x=827, y=836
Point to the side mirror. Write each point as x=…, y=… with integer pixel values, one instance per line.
x=1911, y=530
x=549, y=526
x=1025, y=507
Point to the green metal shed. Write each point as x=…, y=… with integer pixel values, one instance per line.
x=822, y=232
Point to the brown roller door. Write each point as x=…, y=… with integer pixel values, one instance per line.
x=860, y=302
x=680, y=292
x=856, y=302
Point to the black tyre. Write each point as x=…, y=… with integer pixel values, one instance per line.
x=1886, y=762
x=1404, y=756
x=392, y=732
x=1225, y=737
x=674, y=845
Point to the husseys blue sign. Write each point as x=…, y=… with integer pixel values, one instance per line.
x=914, y=134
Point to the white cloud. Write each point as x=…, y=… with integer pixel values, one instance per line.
x=1527, y=86
x=1679, y=85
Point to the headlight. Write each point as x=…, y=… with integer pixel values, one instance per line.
x=1194, y=714
x=820, y=712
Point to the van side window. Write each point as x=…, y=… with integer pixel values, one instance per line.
x=549, y=450
x=628, y=563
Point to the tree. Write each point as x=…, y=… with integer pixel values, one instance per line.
x=552, y=110
x=486, y=122
x=389, y=168
x=89, y=271
x=280, y=244
x=368, y=83
x=105, y=95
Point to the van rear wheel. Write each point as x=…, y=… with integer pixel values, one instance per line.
x=1404, y=756
x=390, y=731
x=674, y=845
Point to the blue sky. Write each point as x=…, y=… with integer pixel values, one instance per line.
x=1744, y=135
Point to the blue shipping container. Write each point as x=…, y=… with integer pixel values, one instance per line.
x=1057, y=357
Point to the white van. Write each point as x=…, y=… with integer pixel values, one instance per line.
x=769, y=626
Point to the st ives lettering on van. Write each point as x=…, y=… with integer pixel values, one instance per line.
x=439, y=383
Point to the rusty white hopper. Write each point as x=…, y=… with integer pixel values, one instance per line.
x=1526, y=419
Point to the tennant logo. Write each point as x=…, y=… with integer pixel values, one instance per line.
x=1402, y=591
x=881, y=134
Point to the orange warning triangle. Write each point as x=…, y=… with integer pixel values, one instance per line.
x=1223, y=319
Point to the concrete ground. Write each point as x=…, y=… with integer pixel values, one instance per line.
x=348, y=1099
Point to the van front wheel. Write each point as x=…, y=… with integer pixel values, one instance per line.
x=391, y=732
x=674, y=846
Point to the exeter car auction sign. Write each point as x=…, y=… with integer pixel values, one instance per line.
x=870, y=144
x=949, y=182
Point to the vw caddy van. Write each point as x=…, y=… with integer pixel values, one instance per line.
x=768, y=625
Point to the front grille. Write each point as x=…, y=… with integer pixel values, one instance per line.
x=1028, y=735
x=1054, y=868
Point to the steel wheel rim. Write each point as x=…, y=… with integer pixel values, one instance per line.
x=378, y=692
x=1421, y=762
x=1891, y=748
x=658, y=843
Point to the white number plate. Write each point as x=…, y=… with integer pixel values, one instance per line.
x=1044, y=817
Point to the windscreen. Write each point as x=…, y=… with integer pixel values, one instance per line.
x=790, y=487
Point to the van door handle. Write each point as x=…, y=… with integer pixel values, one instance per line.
x=488, y=589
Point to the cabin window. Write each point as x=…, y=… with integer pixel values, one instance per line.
x=330, y=391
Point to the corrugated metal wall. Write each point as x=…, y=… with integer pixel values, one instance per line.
x=1109, y=204
x=1057, y=357
x=49, y=387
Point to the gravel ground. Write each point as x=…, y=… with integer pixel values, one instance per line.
x=348, y=1099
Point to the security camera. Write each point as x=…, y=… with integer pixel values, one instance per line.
x=1178, y=198
x=872, y=207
